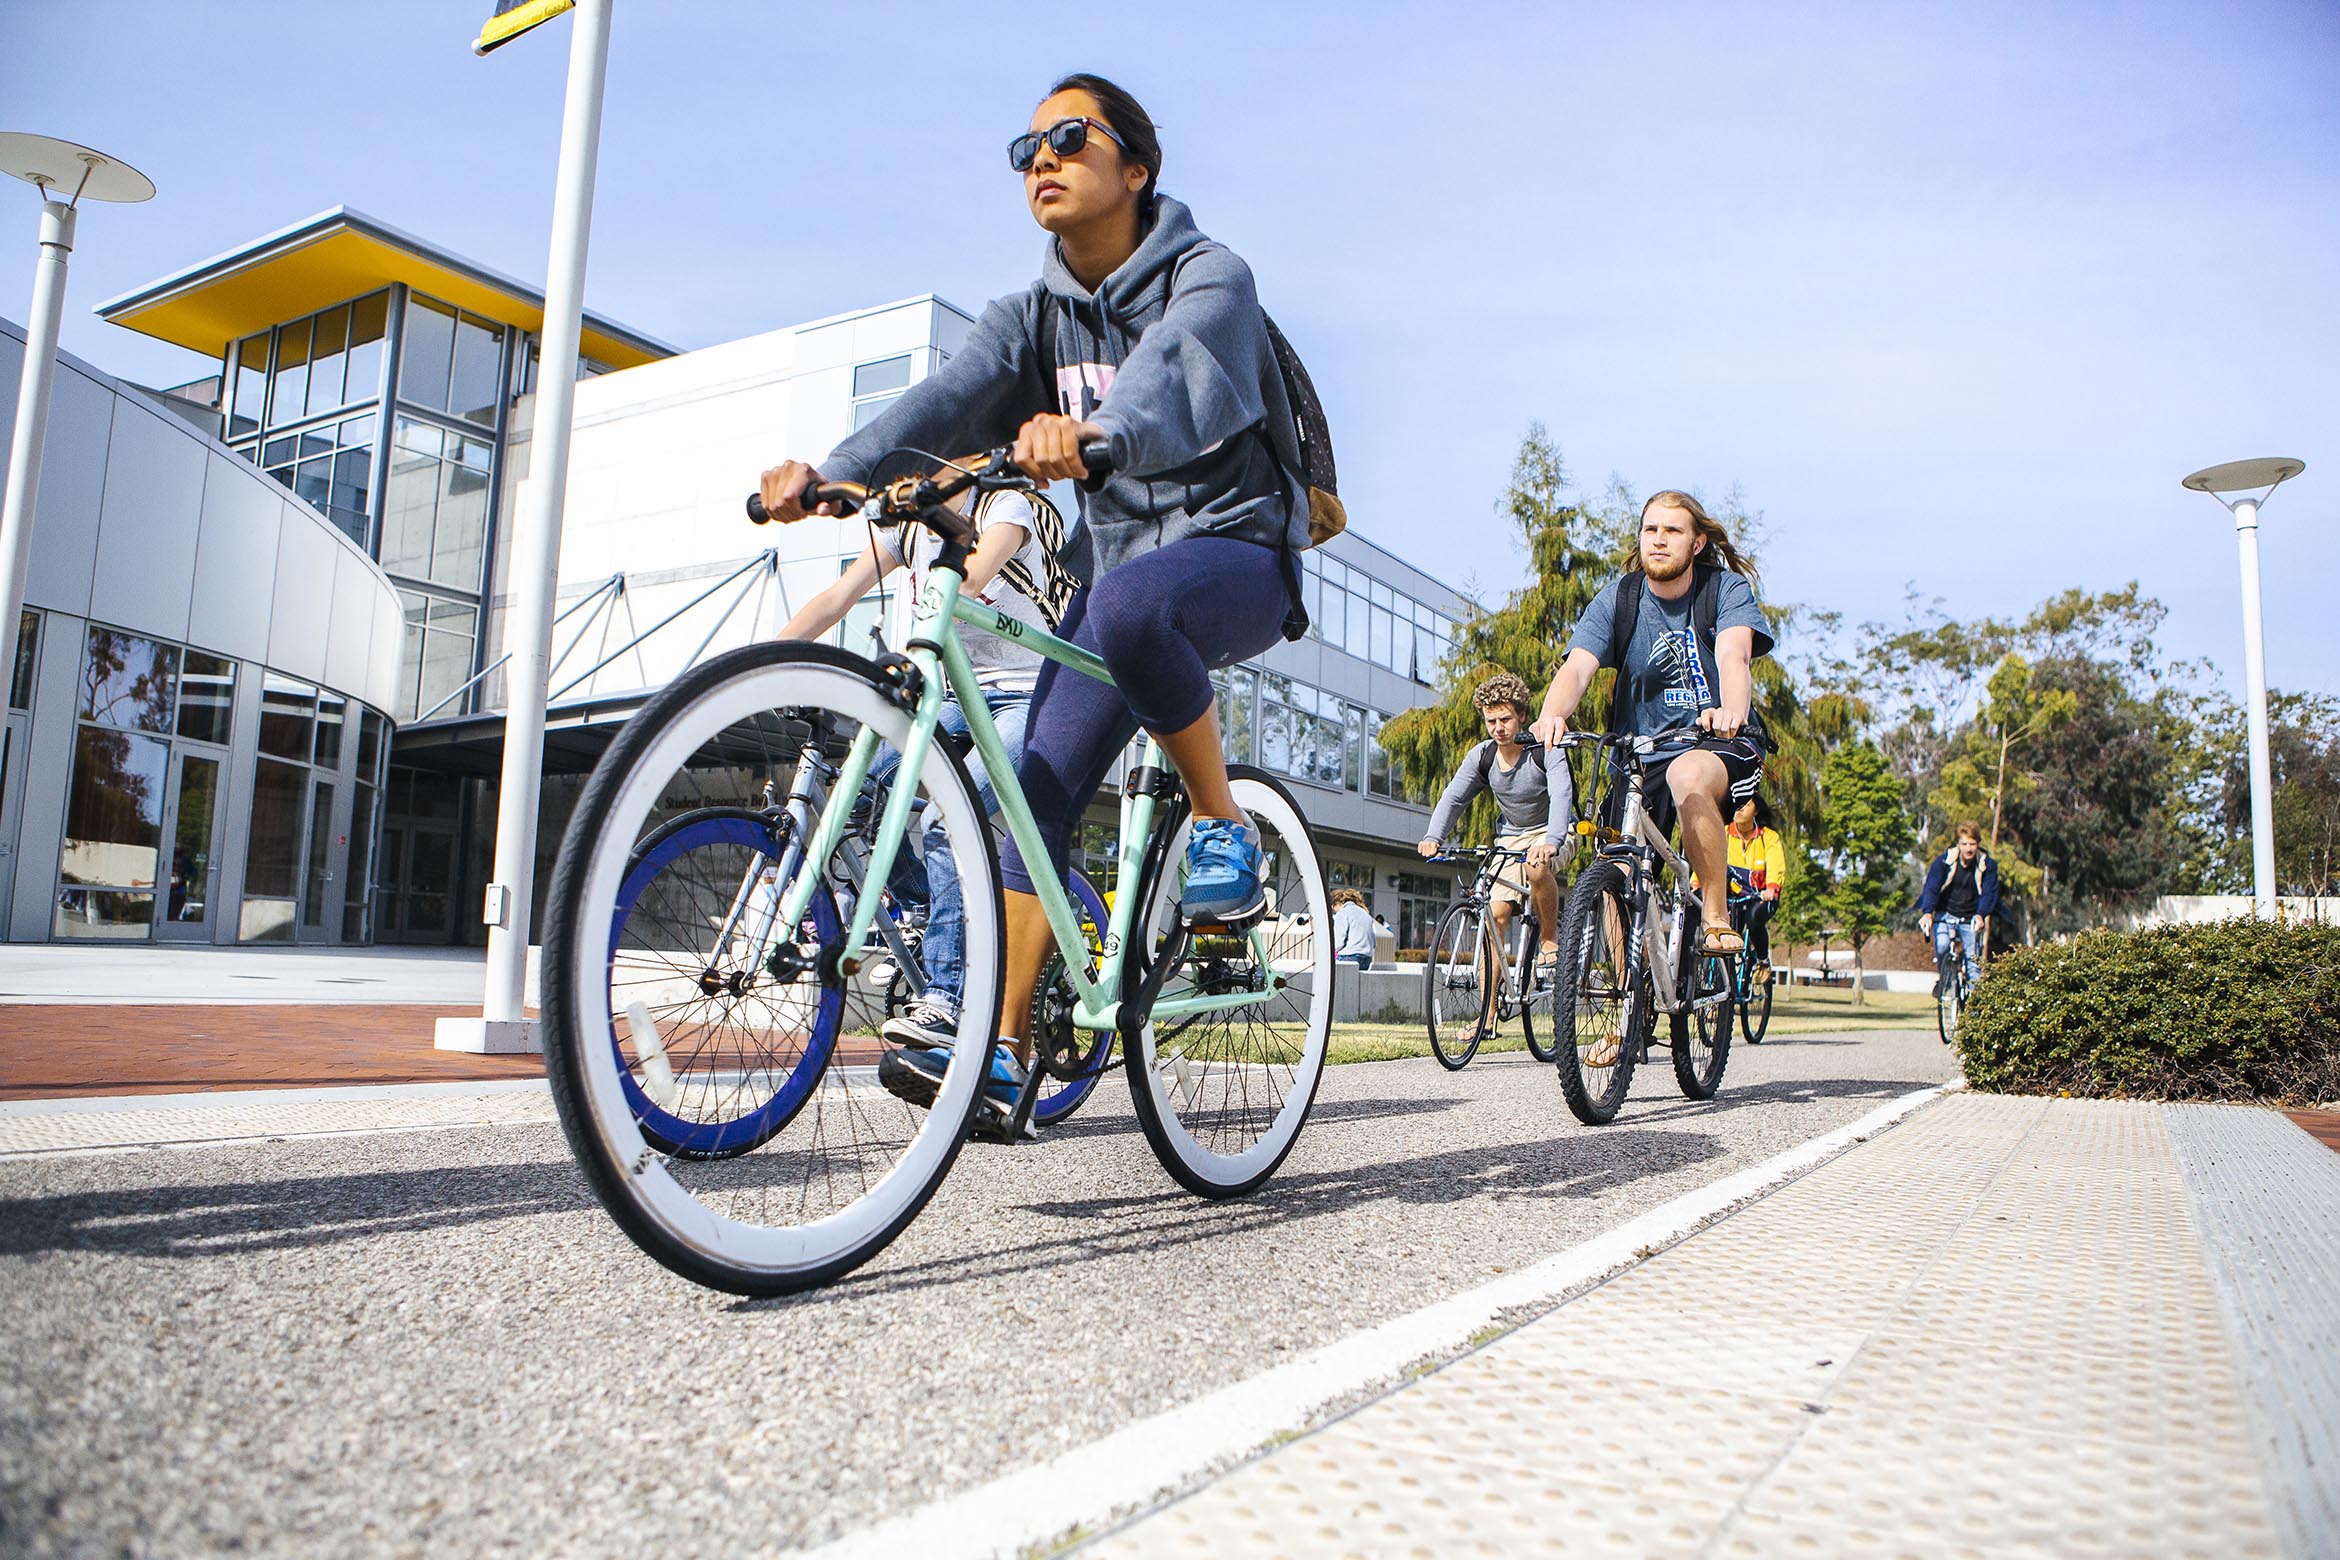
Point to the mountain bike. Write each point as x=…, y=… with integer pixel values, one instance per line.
x=1629, y=950
x=1222, y=1025
x=1472, y=984
x=1751, y=997
x=1952, y=984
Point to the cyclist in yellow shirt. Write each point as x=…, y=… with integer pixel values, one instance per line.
x=1758, y=873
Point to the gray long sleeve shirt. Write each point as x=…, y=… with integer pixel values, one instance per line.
x=1535, y=793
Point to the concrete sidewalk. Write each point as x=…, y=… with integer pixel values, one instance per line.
x=2008, y=1326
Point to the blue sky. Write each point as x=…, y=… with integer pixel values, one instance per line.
x=1952, y=294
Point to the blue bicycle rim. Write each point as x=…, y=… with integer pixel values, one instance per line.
x=759, y=1124
x=1061, y=1101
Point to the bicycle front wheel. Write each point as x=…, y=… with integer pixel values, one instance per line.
x=1459, y=984
x=1225, y=1067
x=1546, y=1050
x=1947, y=1005
x=774, y=1029
x=1601, y=1008
x=1702, y=1038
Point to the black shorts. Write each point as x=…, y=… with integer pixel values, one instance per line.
x=1742, y=759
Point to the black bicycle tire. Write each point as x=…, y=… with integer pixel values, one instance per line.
x=563, y=1047
x=1454, y=1058
x=1136, y=969
x=1698, y=1083
x=1577, y=927
x=1549, y=1051
x=1753, y=1033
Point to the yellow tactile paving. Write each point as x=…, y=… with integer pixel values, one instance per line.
x=1990, y=1331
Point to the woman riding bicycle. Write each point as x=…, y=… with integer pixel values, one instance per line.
x=1147, y=336
x=1758, y=875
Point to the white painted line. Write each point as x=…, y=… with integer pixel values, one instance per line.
x=1139, y=1463
x=223, y=1099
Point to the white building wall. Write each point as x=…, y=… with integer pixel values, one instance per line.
x=661, y=462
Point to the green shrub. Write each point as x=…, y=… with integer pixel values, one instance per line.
x=2227, y=1011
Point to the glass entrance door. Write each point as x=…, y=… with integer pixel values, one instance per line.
x=183, y=910
x=320, y=877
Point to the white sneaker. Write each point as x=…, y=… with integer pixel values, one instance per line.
x=922, y=1026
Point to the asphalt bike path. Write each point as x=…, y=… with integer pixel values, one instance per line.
x=420, y=1332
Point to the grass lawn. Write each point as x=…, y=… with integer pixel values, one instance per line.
x=1795, y=1010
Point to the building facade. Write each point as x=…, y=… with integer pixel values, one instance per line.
x=388, y=386
x=198, y=721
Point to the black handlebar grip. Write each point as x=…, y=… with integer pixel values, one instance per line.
x=755, y=508
x=1097, y=455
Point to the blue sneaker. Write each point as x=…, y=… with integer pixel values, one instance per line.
x=916, y=1076
x=1222, y=872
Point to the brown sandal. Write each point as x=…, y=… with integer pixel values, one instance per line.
x=1717, y=946
x=1603, y=1053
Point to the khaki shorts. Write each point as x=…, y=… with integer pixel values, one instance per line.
x=1511, y=887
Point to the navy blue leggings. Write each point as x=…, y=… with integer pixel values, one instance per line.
x=1162, y=621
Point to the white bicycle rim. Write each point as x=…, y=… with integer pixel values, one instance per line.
x=1309, y=957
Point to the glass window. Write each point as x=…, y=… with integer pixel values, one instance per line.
x=866, y=412
x=458, y=540
x=369, y=323
x=312, y=482
x=877, y=378
x=369, y=748
x=1242, y=697
x=1332, y=624
x=479, y=349
x=1380, y=644
x=276, y=828
x=113, y=834
x=320, y=873
x=435, y=656
x=358, y=872
x=1275, y=722
x=347, y=493
x=1376, y=757
x=280, y=452
x=207, y=695
x=1380, y=593
x=128, y=681
x=1352, y=747
x=248, y=397
x=326, y=355
x=331, y=707
x=413, y=499
x=428, y=352
x=288, y=713
x=1358, y=639
x=28, y=645
x=1425, y=655
x=288, y=401
x=190, y=889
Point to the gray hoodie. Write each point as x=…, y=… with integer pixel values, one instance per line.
x=1170, y=357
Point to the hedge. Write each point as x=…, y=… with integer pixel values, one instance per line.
x=2231, y=1010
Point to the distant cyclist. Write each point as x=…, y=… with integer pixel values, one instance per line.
x=1533, y=793
x=1014, y=569
x=1682, y=630
x=1758, y=871
x=1959, y=899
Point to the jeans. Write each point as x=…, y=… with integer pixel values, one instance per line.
x=1969, y=932
x=936, y=884
x=1363, y=961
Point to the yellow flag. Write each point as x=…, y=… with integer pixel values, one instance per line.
x=514, y=17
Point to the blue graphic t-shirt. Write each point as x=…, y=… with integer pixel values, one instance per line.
x=1665, y=681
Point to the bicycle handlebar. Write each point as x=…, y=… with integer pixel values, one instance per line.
x=915, y=497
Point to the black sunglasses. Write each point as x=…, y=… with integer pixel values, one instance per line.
x=1065, y=138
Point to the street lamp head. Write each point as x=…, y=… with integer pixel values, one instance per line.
x=68, y=172
x=2243, y=476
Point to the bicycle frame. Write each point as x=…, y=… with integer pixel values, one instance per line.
x=944, y=670
x=1648, y=939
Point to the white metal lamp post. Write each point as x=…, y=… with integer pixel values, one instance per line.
x=2248, y=477
x=53, y=167
x=503, y=1024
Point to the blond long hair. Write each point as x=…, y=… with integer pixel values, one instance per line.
x=1709, y=529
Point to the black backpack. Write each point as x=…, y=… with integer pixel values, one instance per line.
x=1705, y=599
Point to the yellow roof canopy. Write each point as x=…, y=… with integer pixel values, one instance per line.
x=332, y=256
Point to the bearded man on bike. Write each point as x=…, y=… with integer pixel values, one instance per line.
x=1682, y=630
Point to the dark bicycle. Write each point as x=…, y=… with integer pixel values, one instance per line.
x=1472, y=984
x=1952, y=983
x=1630, y=949
x=1749, y=994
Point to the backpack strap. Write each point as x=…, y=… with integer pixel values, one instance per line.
x=1622, y=619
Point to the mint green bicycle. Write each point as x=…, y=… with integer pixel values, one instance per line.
x=711, y=1050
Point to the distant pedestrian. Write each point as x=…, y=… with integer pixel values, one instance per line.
x=1352, y=929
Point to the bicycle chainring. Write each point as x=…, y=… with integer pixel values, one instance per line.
x=1064, y=1051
